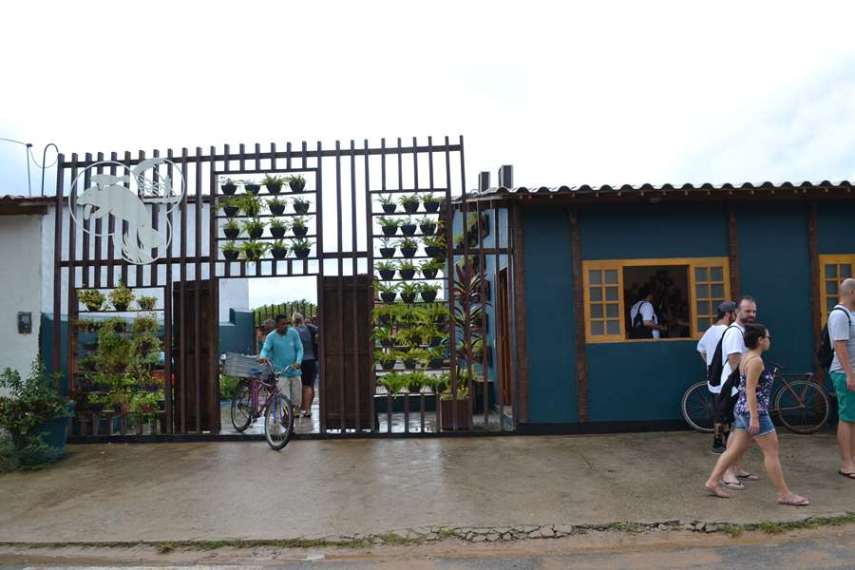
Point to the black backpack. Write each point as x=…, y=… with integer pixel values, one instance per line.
x=638, y=330
x=825, y=352
x=715, y=368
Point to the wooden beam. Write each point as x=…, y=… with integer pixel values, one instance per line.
x=733, y=251
x=518, y=260
x=579, y=316
x=813, y=261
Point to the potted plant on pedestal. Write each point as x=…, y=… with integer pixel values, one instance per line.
x=231, y=229
x=389, y=226
x=410, y=203
x=276, y=205
x=387, y=202
x=279, y=249
x=301, y=206
x=121, y=297
x=455, y=403
x=92, y=298
x=387, y=248
x=297, y=183
x=386, y=269
x=230, y=251
x=301, y=247
x=273, y=183
x=254, y=228
x=299, y=226
x=278, y=228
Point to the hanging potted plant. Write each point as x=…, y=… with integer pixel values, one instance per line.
x=251, y=205
x=251, y=187
x=276, y=205
x=416, y=381
x=299, y=227
x=384, y=336
x=231, y=229
x=386, y=360
x=431, y=203
x=409, y=247
x=407, y=269
x=121, y=297
x=228, y=187
x=389, y=226
x=278, y=228
x=230, y=251
x=273, y=183
x=436, y=357
x=387, y=248
x=254, y=228
x=92, y=298
x=435, y=245
x=297, y=183
x=408, y=227
x=147, y=303
x=428, y=292
x=301, y=247
x=253, y=250
x=430, y=268
x=408, y=292
x=410, y=203
x=388, y=291
x=385, y=314
x=427, y=225
x=279, y=249
x=387, y=202
x=386, y=270
x=231, y=206
x=301, y=206
x=437, y=313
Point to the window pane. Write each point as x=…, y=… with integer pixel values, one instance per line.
x=714, y=304
x=596, y=293
x=830, y=303
x=716, y=274
x=611, y=276
x=701, y=274
x=717, y=290
x=702, y=291
x=845, y=271
x=703, y=308
x=831, y=271
x=703, y=324
x=613, y=327
x=612, y=310
x=611, y=294
x=595, y=277
x=596, y=311
x=831, y=287
x=597, y=328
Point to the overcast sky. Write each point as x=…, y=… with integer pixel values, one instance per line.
x=605, y=92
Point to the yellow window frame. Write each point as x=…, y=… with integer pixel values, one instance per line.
x=618, y=265
x=825, y=281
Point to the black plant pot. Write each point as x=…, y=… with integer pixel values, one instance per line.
x=410, y=363
x=231, y=255
x=297, y=185
x=408, y=229
x=253, y=189
x=387, y=343
x=389, y=208
x=411, y=207
x=428, y=296
x=435, y=363
x=435, y=340
x=302, y=253
x=427, y=229
x=388, y=297
x=256, y=233
x=431, y=207
x=231, y=211
x=407, y=273
x=406, y=348
x=278, y=233
x=389, y=231
x=151, y=388
x=409, y=251
x=302, y=208
x=277, y=210
x=387, y=274
x=279, y=252
x=120, y=306
x=300, y=232
x=408, y=297
x=231, y=233
x=388, y=366
x=432, y=250
x=275, y=189
x=429, y=273
x=440, y=320
x=384, y=319
x=229, y=188
x=387, y=252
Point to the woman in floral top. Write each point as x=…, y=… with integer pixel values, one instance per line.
x=752, y=420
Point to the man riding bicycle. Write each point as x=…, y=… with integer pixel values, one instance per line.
x=283, y=350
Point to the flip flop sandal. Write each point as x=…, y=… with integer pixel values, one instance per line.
x=748, y=477
x=737, y=486
x=850, y=475
x=794, y=501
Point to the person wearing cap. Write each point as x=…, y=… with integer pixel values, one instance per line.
x=725, y=316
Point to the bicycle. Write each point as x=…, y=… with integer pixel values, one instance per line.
x=259, y=395
x=802, y=406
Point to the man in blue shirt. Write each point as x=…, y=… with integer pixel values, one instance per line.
x=283, y=350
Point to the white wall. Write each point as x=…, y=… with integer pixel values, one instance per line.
x=20, y=288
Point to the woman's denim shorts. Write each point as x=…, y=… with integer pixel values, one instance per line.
x=742, y=421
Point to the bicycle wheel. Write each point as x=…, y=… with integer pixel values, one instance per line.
x=698, y=407
x=802, y=407
x=278, y=421
x=241, y=406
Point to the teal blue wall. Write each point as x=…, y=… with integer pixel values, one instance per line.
x=549, y=316
x=238, y=335
x=835, y=227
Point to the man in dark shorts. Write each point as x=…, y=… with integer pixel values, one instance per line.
x=309, y=335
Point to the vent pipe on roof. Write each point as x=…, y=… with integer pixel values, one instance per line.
x=506, y=176
x=483, y=181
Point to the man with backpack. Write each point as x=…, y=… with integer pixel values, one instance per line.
x=707, y=347
x=643, y=317
x=841, y=333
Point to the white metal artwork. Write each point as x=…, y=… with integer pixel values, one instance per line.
x=128, y=198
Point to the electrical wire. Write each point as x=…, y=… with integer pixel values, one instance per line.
x=31, y=157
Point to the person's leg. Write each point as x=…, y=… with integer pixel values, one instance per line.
x=768, y=443
x=846, y=444
x=845, y=427
x=737, y=443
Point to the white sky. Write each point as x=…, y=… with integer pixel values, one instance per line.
x=597, y=92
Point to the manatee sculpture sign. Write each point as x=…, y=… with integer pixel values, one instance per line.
x=128, y=197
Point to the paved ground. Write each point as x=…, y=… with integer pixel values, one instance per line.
x=232, y=490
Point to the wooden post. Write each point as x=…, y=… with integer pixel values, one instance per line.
x=579, y=316
x=733, y=251
x=813, y=262
x=519, y=301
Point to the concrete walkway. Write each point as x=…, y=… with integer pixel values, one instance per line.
x=231, y=490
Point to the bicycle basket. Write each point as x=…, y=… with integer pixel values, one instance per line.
x=242, y=365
